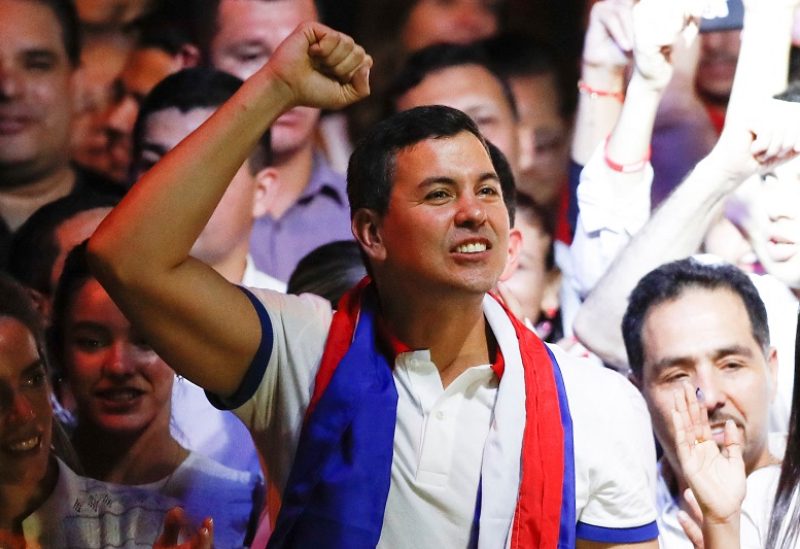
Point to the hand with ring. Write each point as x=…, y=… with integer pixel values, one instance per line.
x=716, y=476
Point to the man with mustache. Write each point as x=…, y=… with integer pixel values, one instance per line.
x=705, y=325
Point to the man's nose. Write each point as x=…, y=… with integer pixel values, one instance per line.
x=709, y=391
x=10, y=82
x=471, y=211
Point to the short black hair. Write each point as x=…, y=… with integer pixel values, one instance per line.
x=169, y=27
x=669, y=281
x=33, y=249
x=439, y=57
x=67, y=16
x=195, y=88
x=507, y=184
x=328, y=271
x=370, y=172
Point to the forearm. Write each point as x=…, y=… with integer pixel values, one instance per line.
x=724, y=535
x=629, y=142
x=596, y=114
x=674, y=231
x=762, y=68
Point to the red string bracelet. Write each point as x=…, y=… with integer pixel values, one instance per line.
x=595, y=93
x=626, y=168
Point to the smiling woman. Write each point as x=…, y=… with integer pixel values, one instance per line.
x=122, y=391
x=43, y=503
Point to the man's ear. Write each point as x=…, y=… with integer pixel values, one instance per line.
x=772, y=372
x=189, y=56
x=514, y=251
x=366, y=225
x=266, y=188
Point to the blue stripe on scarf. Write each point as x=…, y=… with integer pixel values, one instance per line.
x=566, y=535
x=337, y=489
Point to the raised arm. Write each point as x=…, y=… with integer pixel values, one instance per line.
x=614, y=192
x=606, y=49
x=203, y=326
x=678, y=227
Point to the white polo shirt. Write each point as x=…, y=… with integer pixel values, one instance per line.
x=440, y=434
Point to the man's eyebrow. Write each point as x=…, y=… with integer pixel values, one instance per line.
x=733, y=350
x=670, y=361
x=437, y=180
x=717, y=354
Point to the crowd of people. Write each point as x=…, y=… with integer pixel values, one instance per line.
x=264, y=284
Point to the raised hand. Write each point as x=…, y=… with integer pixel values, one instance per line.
x=609, y=37
x=657, y=26
x=175, y=524
x=767, y=136
x=321, y=67
x=716, y=477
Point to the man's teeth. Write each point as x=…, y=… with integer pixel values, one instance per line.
x=472, y=248
x=25, y=445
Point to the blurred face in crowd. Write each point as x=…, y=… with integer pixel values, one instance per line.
x=26, y=416
x=453, y=21
x=248, y=31
x=527, y=283
x=475, y=91
x=719, y=51
x=106, y=13
x=230, y=224
x=548, y=135
x=145, y=68
x=35, y=92
x=120, y=384
x=704, y=337
x=772, y=221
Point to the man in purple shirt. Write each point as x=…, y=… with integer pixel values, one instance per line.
x=309, y=206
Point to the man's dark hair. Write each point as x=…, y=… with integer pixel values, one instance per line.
x=507, y=184
x=67, y=17
x=328, y=271
x=439, y=57
x=168, y=28
x=370, y=172
x=195, y=88
x=669, y=282
x=34, y=249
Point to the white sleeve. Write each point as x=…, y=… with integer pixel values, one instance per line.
x=615, y=461
x=607, y=219
x=275, y=393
